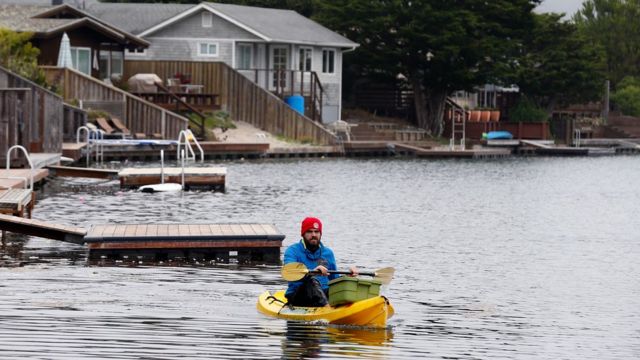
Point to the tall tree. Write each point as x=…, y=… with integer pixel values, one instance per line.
x=304, y=7
x=558, y=65
x=18, y=55
x=614, y=25
x=439, y=46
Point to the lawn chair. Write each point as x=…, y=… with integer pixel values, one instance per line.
x=120, y=126
x=104, y=125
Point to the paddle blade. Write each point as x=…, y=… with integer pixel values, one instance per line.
x=294, y=271
x=384, y=275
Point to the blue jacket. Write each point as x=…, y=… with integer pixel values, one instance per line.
x=323, y=256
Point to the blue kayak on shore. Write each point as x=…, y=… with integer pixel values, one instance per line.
x=499, y=135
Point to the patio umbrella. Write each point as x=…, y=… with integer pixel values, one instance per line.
x=64, y=55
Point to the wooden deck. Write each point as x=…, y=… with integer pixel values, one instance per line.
x=73, y=150
x=17, y=201
x=249, y=242
x=42, y=229
x=212, y=178
x=15, y=178
x=69, y=171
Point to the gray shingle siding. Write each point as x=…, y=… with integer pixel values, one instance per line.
x=185, y=50
x=192, y=27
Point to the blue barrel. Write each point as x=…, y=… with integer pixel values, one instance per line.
x=296, y=102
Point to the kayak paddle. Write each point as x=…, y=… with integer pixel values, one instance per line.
x=295, y=271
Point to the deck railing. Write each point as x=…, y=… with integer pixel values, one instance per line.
x=30, y=115
x=240, y=96
x=140, y=116
x=285, y=83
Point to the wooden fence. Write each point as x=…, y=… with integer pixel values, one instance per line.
x=74, y=118
x=30, y=116
x=241, y=97
x=139, y=115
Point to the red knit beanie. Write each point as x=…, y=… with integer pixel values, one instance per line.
x=310, y=223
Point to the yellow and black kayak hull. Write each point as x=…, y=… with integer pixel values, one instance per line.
x=372, y=312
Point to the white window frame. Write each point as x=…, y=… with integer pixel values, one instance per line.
x=207, y=19
x=324, y=70
x=136, y=53
x=250, y=47
x=75, y=61
x=208, y=43
x=305, y=48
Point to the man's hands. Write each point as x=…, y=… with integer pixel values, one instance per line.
x=354, y=271
x=322, y=270
x=325, y=272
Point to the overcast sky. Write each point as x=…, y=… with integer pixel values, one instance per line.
x=560, y=6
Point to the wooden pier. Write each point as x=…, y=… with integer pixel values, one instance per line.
x=446, y=153
x=210, y=178
x=208, y=242
x=69, y=171
x=158, y=242
x=41, y=229
x=19, y=178
x=17, y=201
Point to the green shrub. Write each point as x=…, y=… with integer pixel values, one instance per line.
x=526, y=111
x=627, y=97
x=94, y=114
x=219, y=119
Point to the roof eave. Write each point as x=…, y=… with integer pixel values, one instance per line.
x=130, y=38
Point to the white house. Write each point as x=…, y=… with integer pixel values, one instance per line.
x=255, y=41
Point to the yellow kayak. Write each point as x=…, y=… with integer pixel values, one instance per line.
x=372, y=312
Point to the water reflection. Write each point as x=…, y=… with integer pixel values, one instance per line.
x=305, y=340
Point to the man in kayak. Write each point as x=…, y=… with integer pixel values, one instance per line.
x=313, y=289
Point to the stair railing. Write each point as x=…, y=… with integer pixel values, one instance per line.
x=26, y=154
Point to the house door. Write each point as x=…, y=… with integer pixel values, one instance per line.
x=279, y=65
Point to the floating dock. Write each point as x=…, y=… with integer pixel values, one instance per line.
x=158, y=242
x=446, y=153
x=205, y=178
x=19, y=178
x=215, y=242
x=70, y=171
x=41, y=229
x=17, y=201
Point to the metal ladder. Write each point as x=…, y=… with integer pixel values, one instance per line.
x=26, y=154
x=187, y=135
x=94, y=140
x=458, y=127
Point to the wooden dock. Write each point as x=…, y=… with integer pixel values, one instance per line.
x=41, y=229
x=73, y=150
x=210, y=178
x=15, y=178
x=17, y=201
x=446, y=153
x=208, y=242
x=69, y=171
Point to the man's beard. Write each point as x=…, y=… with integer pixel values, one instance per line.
x=312, y=247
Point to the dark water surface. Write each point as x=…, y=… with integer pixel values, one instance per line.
x=521, y=258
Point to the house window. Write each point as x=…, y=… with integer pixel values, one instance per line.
x=328, y=61
x=81, y=58
x=208, y=49
x=305, y=59
x=110, y=64
x=244, y=56
x=137, y=52
x=207, y=19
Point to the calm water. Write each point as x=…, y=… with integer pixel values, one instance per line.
x=525, y=258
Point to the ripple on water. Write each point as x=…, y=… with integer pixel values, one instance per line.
x=517, y=258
